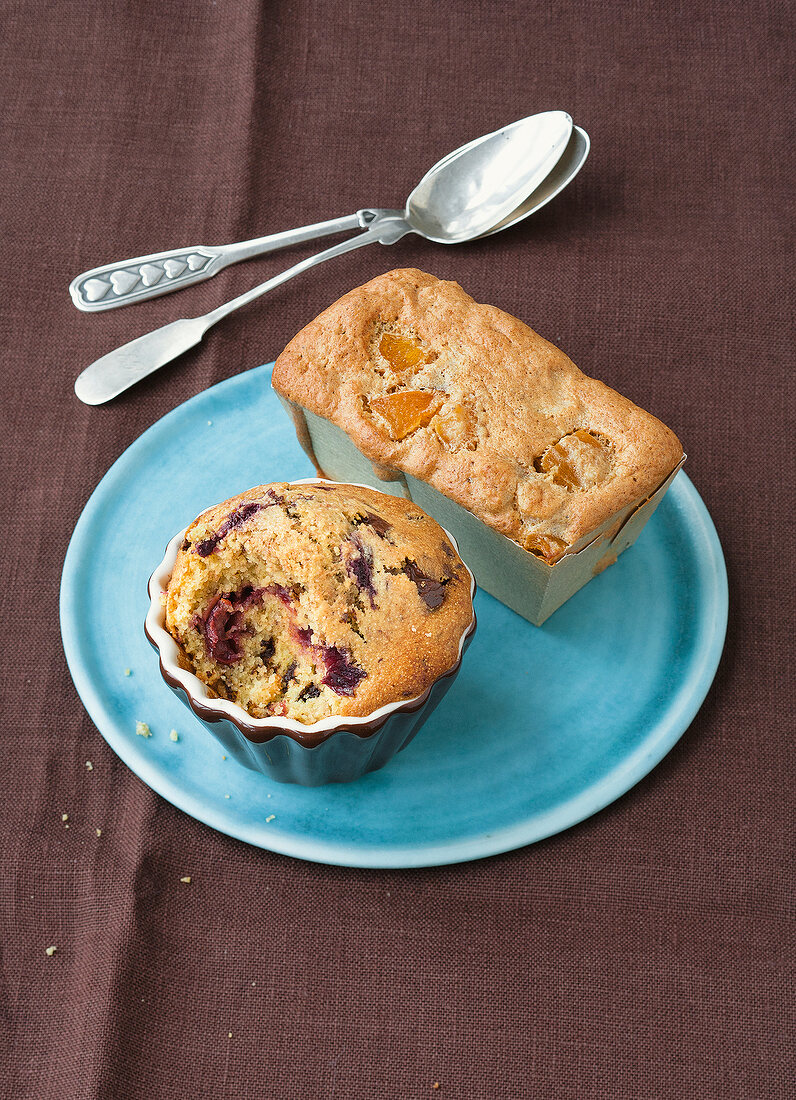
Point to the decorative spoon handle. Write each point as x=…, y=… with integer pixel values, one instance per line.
x=119, y=284
x=118, y=370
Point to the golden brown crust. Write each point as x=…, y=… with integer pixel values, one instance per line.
x=510, y=428
x=347, y=600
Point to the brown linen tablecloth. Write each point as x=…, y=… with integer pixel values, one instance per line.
x=646, y=953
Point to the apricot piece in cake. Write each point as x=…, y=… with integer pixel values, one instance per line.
x=402, y=352
x=455, y=427
x=406, y=411
x=579, y=460
x=547, y=547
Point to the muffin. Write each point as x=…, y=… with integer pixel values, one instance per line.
x=306, y=601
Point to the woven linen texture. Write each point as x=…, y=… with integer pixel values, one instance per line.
x=643, y=954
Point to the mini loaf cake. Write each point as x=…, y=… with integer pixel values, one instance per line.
x=311, y=600
x=469, y=399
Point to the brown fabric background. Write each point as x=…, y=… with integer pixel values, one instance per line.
x=646, y=953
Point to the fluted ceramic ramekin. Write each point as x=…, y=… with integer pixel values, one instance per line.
x=335, y=750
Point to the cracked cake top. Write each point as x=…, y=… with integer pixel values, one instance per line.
x=472, y=401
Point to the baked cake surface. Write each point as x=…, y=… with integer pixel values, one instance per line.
x=306, y=601
x=471, y=400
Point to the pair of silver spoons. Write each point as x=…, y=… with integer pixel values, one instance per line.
x=485, y=186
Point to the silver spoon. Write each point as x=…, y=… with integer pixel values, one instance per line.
x=539, y=140
x=474, y=191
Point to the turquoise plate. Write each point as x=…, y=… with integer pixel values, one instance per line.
x=543, y=727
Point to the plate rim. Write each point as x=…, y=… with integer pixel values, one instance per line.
x=629, y=771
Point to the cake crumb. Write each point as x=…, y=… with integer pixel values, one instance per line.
x=89, y=766
x=185, y=878
x=435, y=1085
x=98, y=832
x=210, y=423
x=128, y=672
x=229, y=1034
x=142, y=729
x=270, y=817
x=64, y=817
x=51, y=950
x=174, y=735
x=226, y=796
x=223, y=758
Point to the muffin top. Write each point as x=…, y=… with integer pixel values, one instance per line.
x=311, y=600
x=469, y=399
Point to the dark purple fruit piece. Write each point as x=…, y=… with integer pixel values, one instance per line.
x=247, y=597
x=223, y=626
x=431, y=591
x=379, y=525
x=222, y=623
x=236, y=519
x=341, y=675
x=288, y=675
x=311, y=691
x=360, y=567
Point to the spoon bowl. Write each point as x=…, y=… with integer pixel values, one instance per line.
x=473, y=189
x=568, y=166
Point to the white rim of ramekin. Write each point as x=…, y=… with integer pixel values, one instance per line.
x=169, y=650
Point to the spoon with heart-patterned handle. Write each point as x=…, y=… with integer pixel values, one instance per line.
x=498, y=168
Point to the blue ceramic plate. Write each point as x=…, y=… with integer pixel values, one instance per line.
x=543, y=727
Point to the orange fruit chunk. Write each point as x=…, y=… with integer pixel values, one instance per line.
x=577, y=461
x=547, y=547
x=454, y=427
x=407, y=410
x=401, y=352
x=587, y=437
